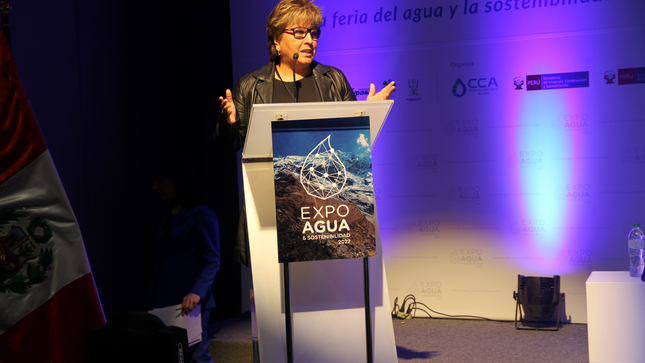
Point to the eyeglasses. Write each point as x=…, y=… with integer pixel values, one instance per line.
x=301, y=33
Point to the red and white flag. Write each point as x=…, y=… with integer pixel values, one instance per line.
x=48, y=300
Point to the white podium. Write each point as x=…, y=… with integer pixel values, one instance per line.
x=327, y=300
x=615, y=317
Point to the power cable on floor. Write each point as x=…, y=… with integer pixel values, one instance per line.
x=402, y=313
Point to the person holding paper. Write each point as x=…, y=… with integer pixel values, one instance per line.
x=291, y=75
x=187, y=255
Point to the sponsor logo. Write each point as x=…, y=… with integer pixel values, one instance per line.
x=534, y=83
x=459, y=88
x=361, y=92
x=539, y=82
x=23, y=260
x=518, y=82
x=609, y=77
x=631, y=75
x=413, y=95
x=414, y=87
x=482, y=86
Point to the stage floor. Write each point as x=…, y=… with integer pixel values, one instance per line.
x=441, y=340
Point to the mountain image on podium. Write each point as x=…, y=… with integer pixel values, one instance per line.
x=324, y=194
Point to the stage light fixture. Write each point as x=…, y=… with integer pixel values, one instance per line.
x=538, y=298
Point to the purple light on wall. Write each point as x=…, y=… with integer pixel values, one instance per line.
x=545, y=147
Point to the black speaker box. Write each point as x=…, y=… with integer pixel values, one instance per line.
x=138, y=337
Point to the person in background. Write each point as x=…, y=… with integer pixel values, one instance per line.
x=187, y=255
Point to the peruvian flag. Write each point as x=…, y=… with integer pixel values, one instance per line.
x=48, y=301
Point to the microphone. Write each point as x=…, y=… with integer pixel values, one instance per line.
x=295, y=84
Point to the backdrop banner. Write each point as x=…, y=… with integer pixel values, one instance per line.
x=515, y=144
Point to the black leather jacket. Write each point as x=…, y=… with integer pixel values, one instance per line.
x=257, y=87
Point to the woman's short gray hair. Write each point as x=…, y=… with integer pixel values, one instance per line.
x=288, y=11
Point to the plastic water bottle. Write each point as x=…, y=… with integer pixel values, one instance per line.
x=636, y=248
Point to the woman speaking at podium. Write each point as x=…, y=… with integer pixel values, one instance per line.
x=292, y=75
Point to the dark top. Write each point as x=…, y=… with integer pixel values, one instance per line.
x=283, y=92
x=257, y=88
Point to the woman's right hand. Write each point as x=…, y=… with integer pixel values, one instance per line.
x=227, y=107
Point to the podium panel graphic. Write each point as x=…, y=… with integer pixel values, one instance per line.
x=327, y=305
x=324, y=192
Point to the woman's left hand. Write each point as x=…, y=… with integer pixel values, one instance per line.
x=384, y=94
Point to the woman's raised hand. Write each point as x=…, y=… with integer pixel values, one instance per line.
x=383, y=94
x=227, y=107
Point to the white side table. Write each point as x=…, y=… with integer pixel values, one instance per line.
x=615, y=317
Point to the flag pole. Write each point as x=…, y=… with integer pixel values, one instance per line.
x=4, y=15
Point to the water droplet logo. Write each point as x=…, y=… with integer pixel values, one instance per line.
x=459, y=88
x=323, y=174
